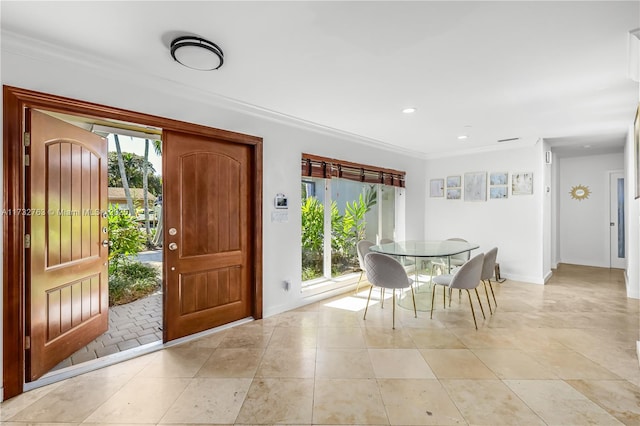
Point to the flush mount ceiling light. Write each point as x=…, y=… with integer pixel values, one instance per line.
x=410, y=110
x=197, y=53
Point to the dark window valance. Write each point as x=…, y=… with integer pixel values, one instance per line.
x=323, y=167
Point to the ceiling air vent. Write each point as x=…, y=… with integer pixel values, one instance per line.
x=508, y=140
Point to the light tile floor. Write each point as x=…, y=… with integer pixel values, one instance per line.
x=560, y=354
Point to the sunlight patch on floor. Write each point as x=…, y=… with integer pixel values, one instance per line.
x=351, y=303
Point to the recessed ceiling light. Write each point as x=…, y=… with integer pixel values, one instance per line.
x=409, y=110
x=463, y=137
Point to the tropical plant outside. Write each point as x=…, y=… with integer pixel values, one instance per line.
x=346, y=230
x=128, y=279
x=134, y=169
x=132, y=281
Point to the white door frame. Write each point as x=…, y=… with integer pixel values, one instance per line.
x=614, y=221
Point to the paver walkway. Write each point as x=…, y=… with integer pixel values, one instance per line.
x=131, y=325
x=134, y=324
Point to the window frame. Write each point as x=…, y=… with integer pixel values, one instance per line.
x=315, y=166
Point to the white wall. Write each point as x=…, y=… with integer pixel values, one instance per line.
x=547, y=214
x=284, y=140
x=584, y=225
x=555, y=214
x=632, y=215
x=514, y=225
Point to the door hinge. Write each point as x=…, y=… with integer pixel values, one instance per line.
x=26, y=160
x=26, y=138
x=27, y=241
x=27, y=342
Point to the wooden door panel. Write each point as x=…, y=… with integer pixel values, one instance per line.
x=207, y=202
x=72, y=205
x=67, y=284
x=212, y=183
x=209, y=289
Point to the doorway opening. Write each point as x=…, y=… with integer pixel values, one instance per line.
x=134, y=221
x=617, y=255
x=55, y=287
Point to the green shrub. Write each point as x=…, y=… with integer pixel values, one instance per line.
x=132, y=280
x=125, y=237
x=309, y=273
x=346, y=230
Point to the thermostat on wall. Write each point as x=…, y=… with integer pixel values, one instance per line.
x=281, y=202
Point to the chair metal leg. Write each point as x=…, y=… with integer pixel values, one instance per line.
x=492, y=293
x=433, y=298
x=486, y=292
x=381, y=297
x=367, y=307
x=413, y=296
x=393, y=300
x=472, y=312
x=479, y=302
x=444, y=297
x=359, y=279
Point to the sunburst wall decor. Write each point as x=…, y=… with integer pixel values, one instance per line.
x=580, y=192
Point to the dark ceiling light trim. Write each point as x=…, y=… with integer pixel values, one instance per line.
x=197, y=53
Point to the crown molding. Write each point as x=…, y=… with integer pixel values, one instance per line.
x=507, y=146
x=42, y=51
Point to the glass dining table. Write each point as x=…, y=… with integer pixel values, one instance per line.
x=419, y=251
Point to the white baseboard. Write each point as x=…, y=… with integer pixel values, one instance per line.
x=303, y=301
x=523, y=278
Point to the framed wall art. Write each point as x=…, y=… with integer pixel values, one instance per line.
x=498, y=192
x=454, y=187
x=436, y=188
x=498, y=178
x=454, y=193
x=475, y=186
x=522, y=183
x=454, y=181
x=498, y=185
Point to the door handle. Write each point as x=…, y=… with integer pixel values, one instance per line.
x=173, y=246
x=106, y=243
x=612, y=224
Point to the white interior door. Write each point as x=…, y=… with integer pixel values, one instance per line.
x=617, y=220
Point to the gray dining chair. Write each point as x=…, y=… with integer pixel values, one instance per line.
x=362, y=248
x=460, y=258
x=386, y=272
x=444, y=265
x=454, y=261
x=488, y=268
x=386, y=241
x=467, y=277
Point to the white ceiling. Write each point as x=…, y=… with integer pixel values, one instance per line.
x=491, y=70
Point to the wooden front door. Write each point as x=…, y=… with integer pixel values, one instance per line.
x=67, y=283
x=208, y=209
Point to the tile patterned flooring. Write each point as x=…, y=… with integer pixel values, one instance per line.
x=560, y=354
